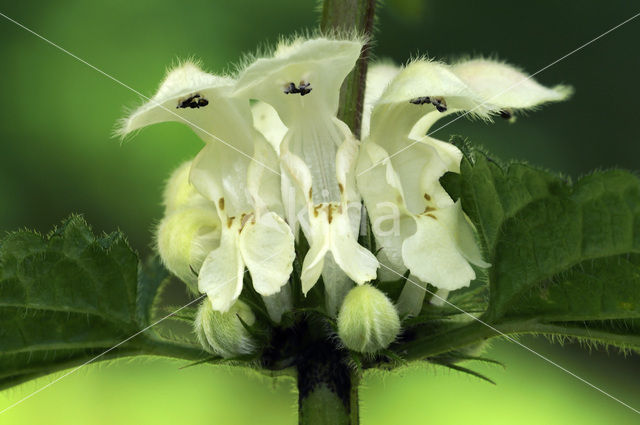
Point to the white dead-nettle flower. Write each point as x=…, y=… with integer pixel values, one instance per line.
x=302, y=83
x=189, y=230
x=416, y=223
x=237, y=173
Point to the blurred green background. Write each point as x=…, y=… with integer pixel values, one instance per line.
x=57, y=157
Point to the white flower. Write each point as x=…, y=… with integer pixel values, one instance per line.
x=189, y=230
x=237, y=171
x=302, y=83
x=416, y=223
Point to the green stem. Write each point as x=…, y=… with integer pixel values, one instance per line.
x=327, y=390
x=351, y=16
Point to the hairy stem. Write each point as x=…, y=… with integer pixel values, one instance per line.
x=327, y=390
x=351, y=16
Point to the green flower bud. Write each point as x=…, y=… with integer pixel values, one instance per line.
x=223, y=333
x=178, y=191
x=368, y=321
x=184, y=239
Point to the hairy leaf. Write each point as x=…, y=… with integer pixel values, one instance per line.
x=151, y=277
x=557, y=250
x=69, y=297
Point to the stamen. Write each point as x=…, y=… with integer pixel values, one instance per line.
x=420, y=100
x=290, y=89
x=437, y=101
x=194, y=101
x=304, y=88
x=506, y=114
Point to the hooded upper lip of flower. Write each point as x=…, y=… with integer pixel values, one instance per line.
x=235, y=170
x=399, y=167
x=302, y=83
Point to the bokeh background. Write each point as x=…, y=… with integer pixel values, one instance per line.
x=57, y=157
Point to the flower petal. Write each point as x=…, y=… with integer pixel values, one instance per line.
x=321, y=62
x=354, y=259
x=314, y=260
x=379, y=76
x=450, y=155
x=263, y=184
x=316, y=143
x=399, y=107
x=184, y=239
x=331, y=232
x=505, y=87
x=433, y=256
x=462, y=231
x=383, y=197
x=346, y=159
x=267, y=122
x=217, y=177
x=267, y=247
x=296, y=188
x=170, y=103
x=222, y=272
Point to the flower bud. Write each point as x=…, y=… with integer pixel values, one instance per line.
x=368, y=321
x=184, y=238
x=179, y=192
x=223, y=333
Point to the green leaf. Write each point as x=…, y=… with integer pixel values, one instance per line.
x=151, y=277
x=623, y=334
x=556, y=248
x=606, y=288
x=69, y=297
x=63, y=297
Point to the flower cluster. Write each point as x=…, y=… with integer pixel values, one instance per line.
x=279, y=167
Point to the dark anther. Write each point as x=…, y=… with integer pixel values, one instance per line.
x=420, y=100
x=506, y=114
x=195, y=101
x=439, y=103
x=290, y=89
x=303, y=89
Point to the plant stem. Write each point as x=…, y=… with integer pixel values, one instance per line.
x=351, y=16
x=327, y=390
